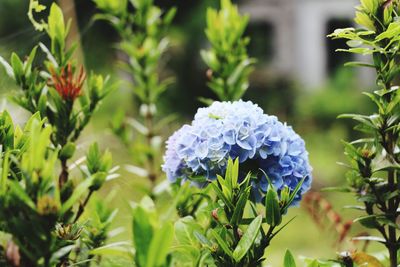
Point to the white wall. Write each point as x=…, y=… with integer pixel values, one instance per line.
x=300, y=27
x=311, y=18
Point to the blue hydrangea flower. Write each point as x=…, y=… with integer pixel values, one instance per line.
x=239, y=130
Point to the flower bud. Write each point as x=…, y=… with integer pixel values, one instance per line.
x=68, y=231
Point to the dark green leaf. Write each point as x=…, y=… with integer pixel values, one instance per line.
x=247, y=239
x=273, y=212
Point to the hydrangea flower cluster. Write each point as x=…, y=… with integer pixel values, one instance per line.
x=239, y=130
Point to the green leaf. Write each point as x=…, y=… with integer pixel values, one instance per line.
x=221, y=195
x=369, y=5
x=354, y=207
x=358, y=64
x=273, y=212
x=113, y=249
x=8, y=68
x=364, y=20
x=247, y=239
x=79, y=191
x=55, y=257
x=240, y=205
x=67, y=151
x=295, y=191
x=202, y=239
x=142, y=234
x=17, y=66
x=392, y=31
x=169, y=16
x=28, y=63
x=289, y=260
x=20, y=193
x=56, y=25
x=368, y=221
x=342, y=189
x=4, y=173
x=185, y=229
x=222, y=243
x=369, y=238
x=160, y=246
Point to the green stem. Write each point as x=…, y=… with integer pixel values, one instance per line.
x=82, y=206
x=152, y=175
x=392, y=238
x=63, y=178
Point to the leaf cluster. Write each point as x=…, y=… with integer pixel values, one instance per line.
x=236, y=235
x=227, y=59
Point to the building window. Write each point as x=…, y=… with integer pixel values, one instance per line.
x=335, y=60
x=261, y=44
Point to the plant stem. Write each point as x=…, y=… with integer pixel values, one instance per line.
x=63, y=178
x=392, y=238
x=82, y=206
x=151, y=173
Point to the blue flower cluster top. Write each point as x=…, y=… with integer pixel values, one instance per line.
x=239, y=130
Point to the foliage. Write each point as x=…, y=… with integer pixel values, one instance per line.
x=152, y=238
x=30, y=192
x=236, y=236
x=227, y=59
x=374, y=175
x=31, y=189
x=144, y=41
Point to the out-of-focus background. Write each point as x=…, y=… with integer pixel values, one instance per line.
x=299, y=77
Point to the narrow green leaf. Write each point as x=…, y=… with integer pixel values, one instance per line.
x=160, y=246
x=17, y=66
x=4, y=173
x=8, y=68
x=185, y=229
x=282, y=227
x=272, y=209
x=55, y=257
x=28, y=63
x=295, y=191
x=79, y=191
x=235, y=172
x=247, y=239
x=202, y=239
x=337, y=189
x=222, y=243
x=239, y=209
x=221, y=195
x=19, y=192
x=289, y=260
x=142, y=234
x=368, y=221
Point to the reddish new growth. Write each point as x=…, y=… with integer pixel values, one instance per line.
x=68, y=86
x=320, y=208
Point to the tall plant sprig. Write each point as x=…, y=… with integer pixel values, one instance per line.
x=374, y=174
x=58, y=92
x=227, y=58
x=144, y=40
x=38, y=215
x=57, y=88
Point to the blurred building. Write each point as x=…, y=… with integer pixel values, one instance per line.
x=298, y=30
